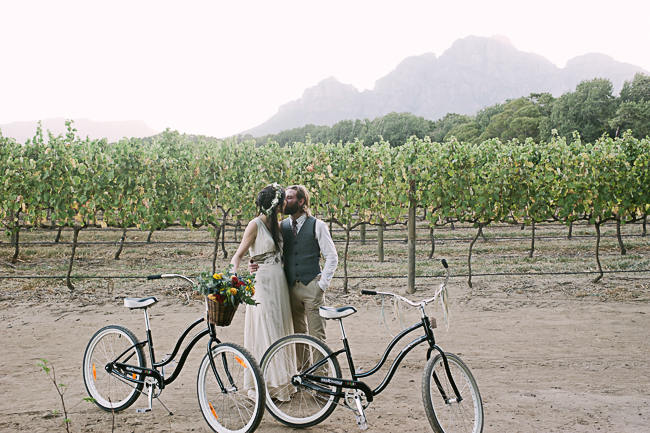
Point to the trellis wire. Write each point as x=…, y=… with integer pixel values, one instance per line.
x=184, y=242
x=379, y=277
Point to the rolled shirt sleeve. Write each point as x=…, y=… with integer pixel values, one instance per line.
x=328, y=250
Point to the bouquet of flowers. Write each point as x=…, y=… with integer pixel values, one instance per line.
x=227, y=288
x=224, y=292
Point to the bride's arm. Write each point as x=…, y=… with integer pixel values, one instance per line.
x=247, y=240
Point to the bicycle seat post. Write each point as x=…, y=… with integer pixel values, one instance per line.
x=346, y=346
x=343, y=336
x=359, y=412
x=149, y=337
x=339, y=314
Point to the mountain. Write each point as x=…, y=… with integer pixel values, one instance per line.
x=324, y=104
x=598, y=65
x=112, y=131
x=474, y=73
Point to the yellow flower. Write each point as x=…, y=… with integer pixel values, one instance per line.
x=217, y=276
x=232, y=291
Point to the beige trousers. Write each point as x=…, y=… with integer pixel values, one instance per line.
x=305, y=301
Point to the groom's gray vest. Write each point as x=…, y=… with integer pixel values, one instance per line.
x=301, y=253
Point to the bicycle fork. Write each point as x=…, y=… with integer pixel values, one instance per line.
x=448, y=400
x=224, y=389
x=428, y=325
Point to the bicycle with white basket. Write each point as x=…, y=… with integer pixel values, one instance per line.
x=450, y=395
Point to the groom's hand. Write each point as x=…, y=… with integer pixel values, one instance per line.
x=252, y=266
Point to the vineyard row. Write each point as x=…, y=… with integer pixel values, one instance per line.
x=65, y=181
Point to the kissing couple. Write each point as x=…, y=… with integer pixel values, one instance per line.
x=289, y=282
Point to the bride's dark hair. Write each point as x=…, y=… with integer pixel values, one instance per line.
x=267, y=204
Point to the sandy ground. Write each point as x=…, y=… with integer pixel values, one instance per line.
x=547, y=356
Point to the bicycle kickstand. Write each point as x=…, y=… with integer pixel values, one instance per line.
x=359, y=413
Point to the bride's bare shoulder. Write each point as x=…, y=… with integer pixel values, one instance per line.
x=252, y=226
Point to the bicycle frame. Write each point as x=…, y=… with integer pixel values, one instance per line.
x=116, y=367
x=311, y=381
x=122, y=367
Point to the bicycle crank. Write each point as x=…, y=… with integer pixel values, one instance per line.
x=357, y=402
x=350, y=402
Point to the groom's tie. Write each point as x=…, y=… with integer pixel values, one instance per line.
x=294, y=227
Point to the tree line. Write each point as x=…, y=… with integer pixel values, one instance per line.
x=592, y=110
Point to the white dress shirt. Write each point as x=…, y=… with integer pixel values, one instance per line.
x=327, y=249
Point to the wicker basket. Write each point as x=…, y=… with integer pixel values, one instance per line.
x=219, y=314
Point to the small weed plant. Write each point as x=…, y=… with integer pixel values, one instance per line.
x=60, y=389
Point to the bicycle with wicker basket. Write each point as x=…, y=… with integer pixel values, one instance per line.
x=115, y=370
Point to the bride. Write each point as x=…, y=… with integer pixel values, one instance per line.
x=271, y=318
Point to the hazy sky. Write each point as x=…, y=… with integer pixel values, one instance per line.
x=220, y=67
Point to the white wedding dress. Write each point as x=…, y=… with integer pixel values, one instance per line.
x=271, y=318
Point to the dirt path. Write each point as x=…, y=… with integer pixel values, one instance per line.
x=544, y=360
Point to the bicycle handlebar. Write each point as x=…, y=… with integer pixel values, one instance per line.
x=408, y=301
x=159, y=276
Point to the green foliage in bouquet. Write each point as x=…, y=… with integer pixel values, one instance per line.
x=227, y=288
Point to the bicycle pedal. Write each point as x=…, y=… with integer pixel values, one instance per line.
x=143, y=410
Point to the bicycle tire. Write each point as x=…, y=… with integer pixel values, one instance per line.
x=241, y=407
x=108, y=391
x=463, y=417
x=299, y=407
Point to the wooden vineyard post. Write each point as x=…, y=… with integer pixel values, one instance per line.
x=380, y=240
x=532, y=241
x=411, y=239
x=600, y=268
x=469, y=256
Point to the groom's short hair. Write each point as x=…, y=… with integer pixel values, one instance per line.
x=302, y=193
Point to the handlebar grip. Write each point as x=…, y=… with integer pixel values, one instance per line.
x=154, y=277
x=368, y=292
x=444, y=263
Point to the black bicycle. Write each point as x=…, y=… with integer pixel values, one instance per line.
x=451, y=397
x=230, y=387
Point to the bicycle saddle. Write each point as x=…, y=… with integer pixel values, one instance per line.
x=336, y=313
x=139, y=302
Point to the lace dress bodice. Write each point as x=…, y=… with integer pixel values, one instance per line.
x=263, y=250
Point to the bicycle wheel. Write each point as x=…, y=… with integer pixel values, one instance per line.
x=238, y=406
x=298, y=406
x=109, y=391
x=466, y=416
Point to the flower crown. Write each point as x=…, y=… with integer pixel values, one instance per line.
x=275, y=201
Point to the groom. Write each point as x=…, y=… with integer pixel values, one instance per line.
x=305, y=239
